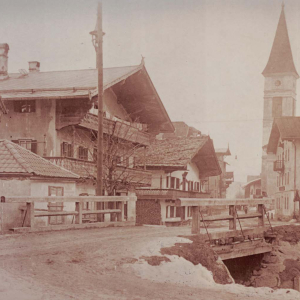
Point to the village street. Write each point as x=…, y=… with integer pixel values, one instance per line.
x=89, y=264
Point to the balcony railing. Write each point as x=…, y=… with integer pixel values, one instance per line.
x=117, y=128
x=168, y=194
x=87, y=169
x=278, y=166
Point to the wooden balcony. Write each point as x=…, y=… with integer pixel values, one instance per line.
x=171, y=194
x=87, y=169
x=278, y=166
x=117, y=128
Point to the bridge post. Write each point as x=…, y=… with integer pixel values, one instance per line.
x=232, y=222
x=30, y=214
x=195, y=220
x=78, y=208
x=261, y=219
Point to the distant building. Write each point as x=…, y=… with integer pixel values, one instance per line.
x=180, y=168
x=284, y=148
x=217, y=185
x=279, y=96
x=253, y=188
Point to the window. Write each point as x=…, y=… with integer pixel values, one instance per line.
x=288, y=178
x=27, y=144
x=95, y=154
x=24, y=106
x=277, y=107
x=66, y=149
x=83, y=153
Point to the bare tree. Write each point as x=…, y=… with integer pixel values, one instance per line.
x=119, y=160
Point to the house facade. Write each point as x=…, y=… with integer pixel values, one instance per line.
x=217, y=185
x=23, y=173
x=284, y=147
x=179, y=168
x=54, y=114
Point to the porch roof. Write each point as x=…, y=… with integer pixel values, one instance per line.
x=15, y=159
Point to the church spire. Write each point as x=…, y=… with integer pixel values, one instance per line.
x=281, y=58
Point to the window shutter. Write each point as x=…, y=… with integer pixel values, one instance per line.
x=177, y=183
x=34, y=146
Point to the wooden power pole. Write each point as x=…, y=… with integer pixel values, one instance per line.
x=99, y=188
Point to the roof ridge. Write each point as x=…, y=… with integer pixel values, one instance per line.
x=77, y=70
x=11, y=148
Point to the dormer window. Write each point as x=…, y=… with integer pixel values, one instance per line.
x=24, y=106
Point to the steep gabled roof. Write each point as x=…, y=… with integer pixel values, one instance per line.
x=175, y=154
x=15, y=159
x=281, y=58
x=61, y=84
x=285, y=128
x=257, y=180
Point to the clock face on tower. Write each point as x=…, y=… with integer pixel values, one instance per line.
x=277, y=82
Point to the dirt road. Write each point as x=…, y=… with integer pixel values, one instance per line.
x=88, y=264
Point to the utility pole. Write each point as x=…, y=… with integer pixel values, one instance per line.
x=99, y=188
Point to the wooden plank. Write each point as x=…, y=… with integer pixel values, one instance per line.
x=120, y=215
x=195, y=220
x=102, y=211
x=30, y=215
x=250, y=215
x=232, y=212
x=78, y=208
x=261, y=219
x=233, y=233
x=54, y=213
x=73, y=226
x=220, y=202
x=217, y=218
x=245, y=248
x=70, y=199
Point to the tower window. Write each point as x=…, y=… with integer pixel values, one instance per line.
x=277, y=107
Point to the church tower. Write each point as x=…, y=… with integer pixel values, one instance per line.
x=279, y=95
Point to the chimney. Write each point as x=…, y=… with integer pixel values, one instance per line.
x=34, y=66
x=3, y=61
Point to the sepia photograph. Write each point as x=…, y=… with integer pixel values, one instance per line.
x=149, y=149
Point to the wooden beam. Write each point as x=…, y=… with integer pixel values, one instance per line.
x=82, y=199
x=245, y=248
x=232, y=212
x=78, y=208
x=253, y=232
x=54, y=213
x=260, y=210
x=102, y=211
x=195, y=220
x=219, y=202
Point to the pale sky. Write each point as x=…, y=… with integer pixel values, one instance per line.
x=205, y=58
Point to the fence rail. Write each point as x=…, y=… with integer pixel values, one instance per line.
x=232, y=217
x=116, y=213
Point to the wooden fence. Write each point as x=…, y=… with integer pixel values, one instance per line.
x=116, y=213
x=232, y=216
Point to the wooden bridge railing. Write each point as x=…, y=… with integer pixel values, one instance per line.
x=31, y=213
x=232, y=216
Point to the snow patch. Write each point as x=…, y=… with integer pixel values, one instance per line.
x=181, y=271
